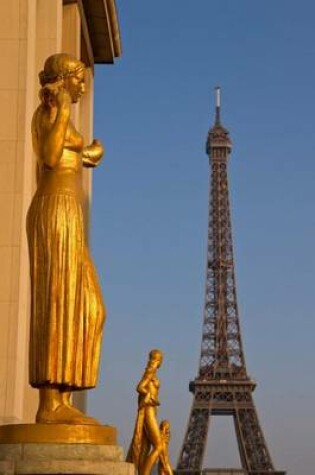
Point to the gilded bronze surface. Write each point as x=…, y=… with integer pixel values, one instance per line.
x=67, y=310
x=150, y=441
x=164, y=465
x=57, y=434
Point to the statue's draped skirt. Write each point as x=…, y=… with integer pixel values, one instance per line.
x=67, y=312
x=140, y=444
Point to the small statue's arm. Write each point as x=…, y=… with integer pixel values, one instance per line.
x=92, y=154
x=143, y=387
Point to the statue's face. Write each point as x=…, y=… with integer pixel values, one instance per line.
x=158, y=360
x=76, y=86
x=155, y=358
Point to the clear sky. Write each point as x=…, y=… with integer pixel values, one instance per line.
x=153, y=109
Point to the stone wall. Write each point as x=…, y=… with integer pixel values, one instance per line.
x=30, y=32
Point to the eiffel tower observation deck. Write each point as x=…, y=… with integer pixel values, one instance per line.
x=222, y=386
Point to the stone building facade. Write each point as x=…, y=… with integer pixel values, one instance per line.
x=31, y=30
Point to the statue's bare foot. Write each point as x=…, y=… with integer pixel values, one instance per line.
x=64, y=414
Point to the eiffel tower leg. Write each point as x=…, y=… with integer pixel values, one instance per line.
x=191, y=456
x=254, y=453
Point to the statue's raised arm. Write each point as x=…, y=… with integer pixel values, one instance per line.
x=67, y=310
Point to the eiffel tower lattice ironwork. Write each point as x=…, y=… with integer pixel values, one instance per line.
x=222, y=386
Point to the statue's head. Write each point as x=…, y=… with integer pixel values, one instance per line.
x=155, y=357
x=63, y=70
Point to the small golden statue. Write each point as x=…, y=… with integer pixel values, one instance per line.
x=67, y=310
x=150, y=441
x=164, y=466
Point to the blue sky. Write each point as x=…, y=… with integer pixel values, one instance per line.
x=153, y=109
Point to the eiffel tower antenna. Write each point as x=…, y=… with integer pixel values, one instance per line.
x=222, y=386
x=217, y=105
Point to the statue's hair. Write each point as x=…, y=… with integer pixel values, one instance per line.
x=155, y=353
x=59, y=66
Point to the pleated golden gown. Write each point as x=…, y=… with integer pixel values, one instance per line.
x=67, y=311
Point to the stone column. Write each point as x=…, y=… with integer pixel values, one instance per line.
x=30, y=31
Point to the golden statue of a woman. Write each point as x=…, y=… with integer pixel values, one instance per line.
x=67, y=311
x=150, y=441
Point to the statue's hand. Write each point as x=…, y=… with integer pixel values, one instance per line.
x=150, y=400
x=147, y=398
x=63, y=98
x=92, y=154
x=97, y=147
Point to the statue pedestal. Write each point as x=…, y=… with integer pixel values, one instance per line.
x=94, y=454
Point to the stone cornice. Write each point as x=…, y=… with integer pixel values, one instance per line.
x=102, y=27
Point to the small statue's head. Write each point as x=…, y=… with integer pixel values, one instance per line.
x=155, y=358
x=63, y=70
x=165, y=430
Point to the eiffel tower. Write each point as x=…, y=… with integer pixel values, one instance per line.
x=222, y=386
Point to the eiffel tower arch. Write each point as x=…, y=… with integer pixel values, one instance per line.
x=222, y=386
